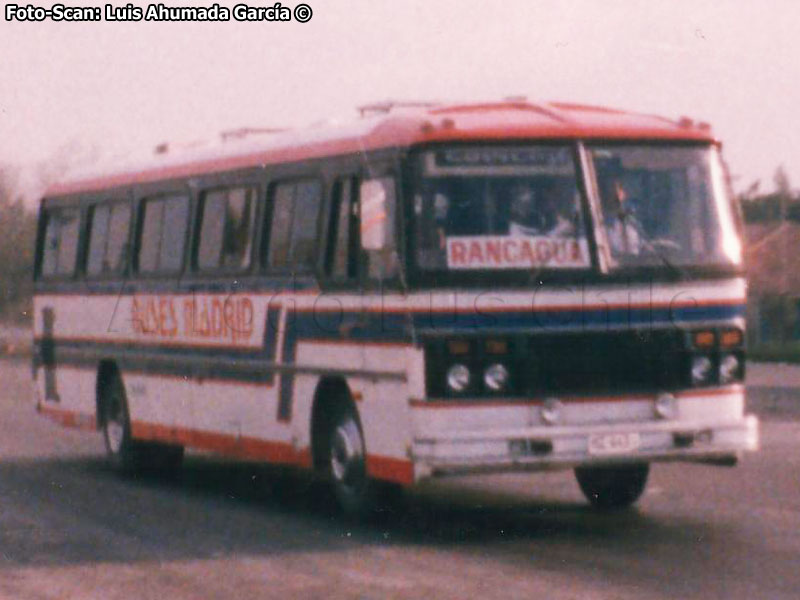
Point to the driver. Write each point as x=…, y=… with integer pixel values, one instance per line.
x=622, y=226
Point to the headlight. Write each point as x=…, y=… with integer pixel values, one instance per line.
x=496, y=377
x=729, y=368
x=701, y=370
x=458, y=378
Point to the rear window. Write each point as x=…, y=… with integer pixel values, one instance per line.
x=60, y=251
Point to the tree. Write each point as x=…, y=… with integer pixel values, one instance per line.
x=17, y=238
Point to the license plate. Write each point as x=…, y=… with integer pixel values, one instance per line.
x=613, y=443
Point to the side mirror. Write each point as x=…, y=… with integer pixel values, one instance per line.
x=377, y=213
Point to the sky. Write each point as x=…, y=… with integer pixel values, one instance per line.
x=70, y=92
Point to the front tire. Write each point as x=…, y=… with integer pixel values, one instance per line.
x=348, y=464
x=613, y=487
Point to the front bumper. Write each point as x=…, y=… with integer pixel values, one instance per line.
x=557, y=447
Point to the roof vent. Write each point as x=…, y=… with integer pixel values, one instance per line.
x=382, y=108
x=242, y=132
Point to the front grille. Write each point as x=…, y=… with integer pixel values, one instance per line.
x=562, y=364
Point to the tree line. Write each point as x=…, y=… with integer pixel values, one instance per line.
x=782, y=204
x=17, y=238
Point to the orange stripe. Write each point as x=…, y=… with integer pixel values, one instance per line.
x=379, y=467
x=240, y=447
x=572, y=307
x=68, y=418
x=390, y=469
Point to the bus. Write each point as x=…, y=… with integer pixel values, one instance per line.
x=429, y=290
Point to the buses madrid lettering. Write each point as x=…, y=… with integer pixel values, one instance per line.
x=219, y=319
x=301, y=13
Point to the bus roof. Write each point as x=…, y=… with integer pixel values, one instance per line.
x=394, y=125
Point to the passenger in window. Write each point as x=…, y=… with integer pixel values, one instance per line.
x=236, y=236
x=542, y=211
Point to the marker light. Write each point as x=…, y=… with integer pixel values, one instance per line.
x=703, y=339
x=731, y=338
x=458, y=347
x=496, y=346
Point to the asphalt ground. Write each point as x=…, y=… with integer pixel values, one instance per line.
x=70, y=527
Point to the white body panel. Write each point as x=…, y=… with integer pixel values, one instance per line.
x=386, y=378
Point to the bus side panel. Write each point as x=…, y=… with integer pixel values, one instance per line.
x=64, y=392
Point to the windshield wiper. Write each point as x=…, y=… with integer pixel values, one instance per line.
x=648, y=242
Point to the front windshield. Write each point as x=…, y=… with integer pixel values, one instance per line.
x=499, y=208
x=664, y=205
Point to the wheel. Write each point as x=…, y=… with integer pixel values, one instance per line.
x=124, y=453
x=347, y=464
x=613, y=486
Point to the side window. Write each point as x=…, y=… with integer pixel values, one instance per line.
x=60, y=252
x=118, y=247
x=293, y=231
x=226, y=231
x=163, y=234
x=307, y=200
x=341, y=256
x=99, y=216
x=382, y=263
x=280, y=229
x=108, y=239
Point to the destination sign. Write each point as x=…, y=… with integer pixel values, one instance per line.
x=504, y=157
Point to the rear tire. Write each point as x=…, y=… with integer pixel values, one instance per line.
x=613, y=487
x=124, y=453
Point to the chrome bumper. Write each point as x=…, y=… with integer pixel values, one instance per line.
x=543, y=448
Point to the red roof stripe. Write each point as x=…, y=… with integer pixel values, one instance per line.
x=478, y=122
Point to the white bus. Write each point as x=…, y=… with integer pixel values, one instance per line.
x=431, y=290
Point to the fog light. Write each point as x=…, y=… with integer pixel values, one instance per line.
x=728, y=368
x=701, y=370
x=458, y=378
x=551, y=411
x=666, y=407
x=496, y=377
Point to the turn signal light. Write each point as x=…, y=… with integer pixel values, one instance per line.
x=730, y=338
x=496, y=346
x=458, y=347
x=703, y=339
